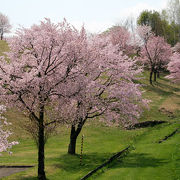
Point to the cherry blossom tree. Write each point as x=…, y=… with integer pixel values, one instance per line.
x=119, y=36
x=106, y=91
x=5, y=145
x=45, y=61
x=155, y=52
x=176, y=48
x=174, y=67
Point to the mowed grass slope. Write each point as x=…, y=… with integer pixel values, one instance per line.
x=100, y=143
x=3, y=47
x=148, y=159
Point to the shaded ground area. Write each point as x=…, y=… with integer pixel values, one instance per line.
x=145, y=124
x=7, y=171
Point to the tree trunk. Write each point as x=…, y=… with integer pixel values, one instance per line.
x=155, y=74
x=73, y=137
x=1, y=36
x=2, y=33
x=41, y=143
x=158, y=74
x=150, y=78
x=72, y=144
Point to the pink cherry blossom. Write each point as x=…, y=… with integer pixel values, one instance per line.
x=5, y=145
x=174, y=67
x=155, y=51
x=106, y=90
x=44, y=63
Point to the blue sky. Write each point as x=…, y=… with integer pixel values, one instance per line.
x=97, y=15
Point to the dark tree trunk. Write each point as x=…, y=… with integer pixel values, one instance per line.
x=155, y=75
x=158, y=74
x=73, y=137
x=72, y=144
x=41, y=143
x=2, y=33
x=150, y=78
x=1, y=36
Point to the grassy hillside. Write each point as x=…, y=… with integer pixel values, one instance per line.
x=151, y=160
x=147, y=160
x=3, y=47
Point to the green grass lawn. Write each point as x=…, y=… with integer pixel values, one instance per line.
x=150, y=160
x=99, y=144
x=3, y=47
x=147, y=160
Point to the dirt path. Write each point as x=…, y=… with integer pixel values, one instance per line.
x=7, y=171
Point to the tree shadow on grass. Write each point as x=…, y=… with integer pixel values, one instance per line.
x=90, y=161
x=71, y=163
x=171, y=88
x=133, y=160
x=162, y=89
x=31, y=178
x=141, y=160
x=158, y=90
x=163, y=77
x=28, y=178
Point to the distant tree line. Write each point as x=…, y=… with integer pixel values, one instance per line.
x=165, y=23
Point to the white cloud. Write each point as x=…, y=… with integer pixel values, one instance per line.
x=164, y=4
x=133, y=11
x=115, y=16
x=138, y=8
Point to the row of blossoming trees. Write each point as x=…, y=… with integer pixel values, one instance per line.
x=56, y=74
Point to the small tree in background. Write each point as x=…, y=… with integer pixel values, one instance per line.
x=5, y=145
x=155, y=52
x=120, y=36
x=5, y=26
